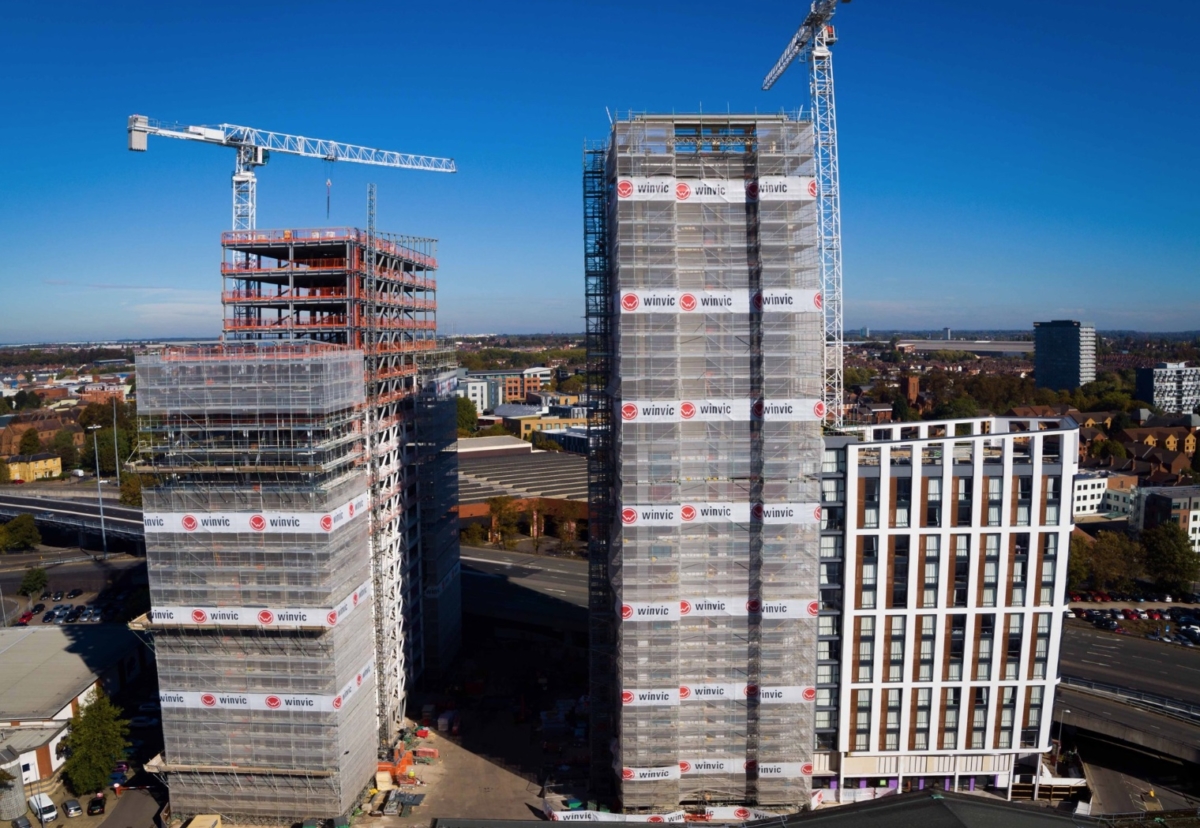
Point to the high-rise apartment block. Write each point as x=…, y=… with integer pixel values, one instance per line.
x=705, y=341
x=1171, y=386
x=260, y=575
x=1064, y=354
x=943, y=565
x=377, y=294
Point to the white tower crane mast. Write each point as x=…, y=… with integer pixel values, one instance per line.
x=254, y=147
x=812, y=41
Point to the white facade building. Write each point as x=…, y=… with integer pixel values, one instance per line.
x=944, y=545
x=477, y=392
x=1172, y=386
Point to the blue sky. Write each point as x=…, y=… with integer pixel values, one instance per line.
x=996, y=168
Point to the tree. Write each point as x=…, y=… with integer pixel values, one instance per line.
x=1170, y=560
x=64, y=447
x=33, y=582
x=571, y=385
x=1114, y=561
x=30, y=442
x=97, y=741
x=503, y=511
x=468, y=415
x=21, y=533
x=1078, y=563
x=6, y=475
x=131, y=489
x=495, y=430
x=1109, y=448
x=103, y=442
x=474, y=535
x=564, y=531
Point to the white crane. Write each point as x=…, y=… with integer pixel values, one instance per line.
x=254, y=147
x=812, y=41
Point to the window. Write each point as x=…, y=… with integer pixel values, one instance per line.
x=900, y=572
x=891, y=733
x=950, y=719
x=995, y=497
x=921, y=719
x=1012, y=660
x=933, y=503
x=831, y=546
x=1008, y=703
x=903, y=502
x=930, y=575
x=958, y=633
x=925, y=663
x=862, y=720
x=833, y=461
x=825, y=674
x=871, y=503
x=896, y=648
x=832, y=490
x=991, y=569
x=866, y=647
x=983, y=647
x=962, y=569
x=870, y=552
x=963, y=497
x=979, y=718
x=826, y=625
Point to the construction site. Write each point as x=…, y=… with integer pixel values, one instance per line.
x=706, y=332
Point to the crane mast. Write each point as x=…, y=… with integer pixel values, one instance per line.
x=811, y=42
x=254, y=147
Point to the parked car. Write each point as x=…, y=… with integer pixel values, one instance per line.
x=43, y=808
x=58, y=595
x=21, y=822
x=25, y=618
x=49, y=617
x=96, y=805
x=71, y=808
x=143, y=721
x=75, y=593
x=38, y=609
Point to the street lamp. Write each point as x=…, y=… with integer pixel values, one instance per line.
x=1058, y=747
x=116, y=443
x=99, y=493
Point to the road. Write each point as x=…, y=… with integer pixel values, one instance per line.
x=1150, y=666
x=562, y=578
x=533, y=589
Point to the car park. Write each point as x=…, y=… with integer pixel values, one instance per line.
x=71, y=808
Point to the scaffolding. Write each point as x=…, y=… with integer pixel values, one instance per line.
x=705, y=336
x=259, y=566
x=375, y=292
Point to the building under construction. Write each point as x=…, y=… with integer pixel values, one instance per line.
x=257, y=528
x=375, y=293
x=705, y=339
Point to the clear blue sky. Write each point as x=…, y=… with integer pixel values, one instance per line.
x=1001, y=162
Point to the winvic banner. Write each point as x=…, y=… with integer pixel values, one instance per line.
x=716, y=190
x=633, y=612
x=769, y=300
x=217, y=700
x=265, y=617
x=687, y=513
x=251, y=523
x=635, y=412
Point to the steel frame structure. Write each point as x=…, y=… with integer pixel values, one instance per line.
x=812, y=41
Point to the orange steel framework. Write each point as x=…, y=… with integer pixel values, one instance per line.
x=318, y=285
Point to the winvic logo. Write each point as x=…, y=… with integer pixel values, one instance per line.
x=629, y=411
x=812, y=188
x=682, y=191
x=208, y=700
x=189, y=523
x=199, y=616
x=626, y=611
x=258, y=523
x=331, y=617
x=687, y=410
x=629, y=516
x=627, y=773
x=687, y=513
x=626, y=697
x=274, y=702
x=687, y=302
x=752, y=190
x=624, y=188
x=630, y=302
x=266, y=617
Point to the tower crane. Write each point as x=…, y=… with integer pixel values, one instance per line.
x=811, y=43
x=254, y=147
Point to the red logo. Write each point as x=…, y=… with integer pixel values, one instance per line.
x=326, y=522
x=200, y=616
x=208, y=700
x=189, y=523
x=331, y=617
x=682, y=191
x=358, y=680
x=806, y=769
x=656, y=818
x=685, y=767
x=741, y=813
x=274, y=702
x=756, y=300
x=628, y=516
x=337, y=703
x=627, y=773
x=685, y=607
x=626, y=611
x=817, y=302
x=687, y=410
x=624, y=189
x=630, y=302
x=687, y=513
x=350, y=509
x=258, y=523
x=750, y=765
x=750, y=691
x=814, y=608
x=753, y=605
x=812, y=188
x=626, y=697
x=810, y=693
x=354, y=598
x=752, y=190
x=819, y=410
x=266, y=617
x=687, y=302
x=817, y=512
x=758, y=409
x=756, y=511
x=685, y=692
x=629, y=411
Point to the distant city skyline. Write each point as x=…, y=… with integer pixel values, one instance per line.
x=986, y=176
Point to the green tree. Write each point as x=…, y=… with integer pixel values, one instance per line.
x=468, y=415
x=131, y=490
x=64, y=447
x=1170, y=560
x=571, y=385
x=1109, y=448
x=97, y=741
x=503, y=511
x=6, y=475
x=1079, y=563
x=857, y=376
x=103, y=442
x=21, y=533
x=33, y=582
x=1115, y=561
x=30, y=442
x=25, y=401
x=473, y=535
x=496, y=430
